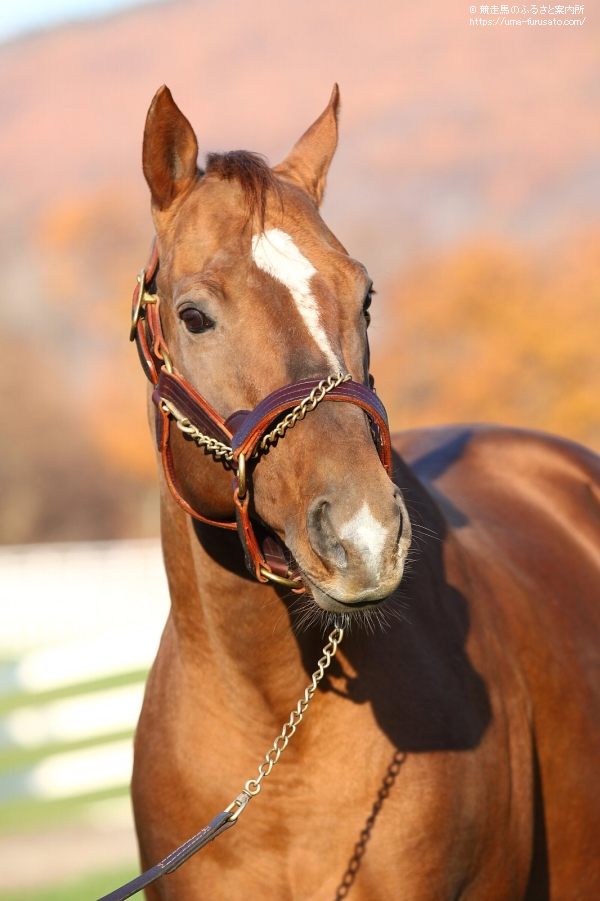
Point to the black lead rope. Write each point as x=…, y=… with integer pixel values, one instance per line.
x=215, y=828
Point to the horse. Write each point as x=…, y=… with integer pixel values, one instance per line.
x=452, y=748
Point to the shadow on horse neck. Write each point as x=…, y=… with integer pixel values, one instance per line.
x=415, y=674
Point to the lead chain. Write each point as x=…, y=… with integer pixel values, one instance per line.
x=253, y=786
x=281, y=742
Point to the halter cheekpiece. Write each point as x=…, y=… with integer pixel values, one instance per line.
x=239, y=441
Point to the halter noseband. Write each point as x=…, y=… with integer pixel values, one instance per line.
x=241, y=438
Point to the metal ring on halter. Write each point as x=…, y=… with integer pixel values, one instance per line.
x=280, y=580
x=143, y=298
x=241, y=476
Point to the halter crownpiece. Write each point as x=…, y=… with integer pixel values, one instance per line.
x=245, y=435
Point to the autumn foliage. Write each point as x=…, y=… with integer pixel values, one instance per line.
x=498, y=333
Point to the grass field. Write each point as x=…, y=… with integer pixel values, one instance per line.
x=80, y=629
x=87, y=889
x=22, y=812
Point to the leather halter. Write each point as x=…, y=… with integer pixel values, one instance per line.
x=242, y=431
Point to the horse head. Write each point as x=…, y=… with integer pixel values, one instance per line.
x=255, y=293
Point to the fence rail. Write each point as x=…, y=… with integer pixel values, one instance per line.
x=81, y=626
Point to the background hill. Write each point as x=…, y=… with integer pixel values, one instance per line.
x=467, y=180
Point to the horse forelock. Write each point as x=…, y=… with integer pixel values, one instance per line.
x=253, y=174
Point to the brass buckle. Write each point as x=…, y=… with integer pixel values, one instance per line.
x=281, y=580
x=142, y=299
x=241, y=476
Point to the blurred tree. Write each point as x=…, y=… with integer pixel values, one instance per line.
x=496, y=333
x=55, y=482
x=92, y=253
x=77, y=460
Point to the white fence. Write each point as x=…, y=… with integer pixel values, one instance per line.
x=81, y=625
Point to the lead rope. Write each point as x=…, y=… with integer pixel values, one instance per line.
x=230, y=815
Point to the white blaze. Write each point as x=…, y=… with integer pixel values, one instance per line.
x=366, y=534
x=276, y=254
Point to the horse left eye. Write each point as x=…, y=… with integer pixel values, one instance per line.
x=366, y=305
x=194, y=320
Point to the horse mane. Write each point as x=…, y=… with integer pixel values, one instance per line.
x=252, y=173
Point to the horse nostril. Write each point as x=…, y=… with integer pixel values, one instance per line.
x=322, y=535
x=400, y=508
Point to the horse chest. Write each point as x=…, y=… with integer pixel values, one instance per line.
x=344, y=809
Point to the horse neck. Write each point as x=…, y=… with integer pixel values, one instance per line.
x=225, y=621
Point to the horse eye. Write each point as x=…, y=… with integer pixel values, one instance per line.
x=194, y=320
x=367, y=304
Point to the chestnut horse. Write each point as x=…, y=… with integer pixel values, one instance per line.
x=453, y=750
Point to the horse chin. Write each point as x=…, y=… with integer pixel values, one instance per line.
x=353, y=602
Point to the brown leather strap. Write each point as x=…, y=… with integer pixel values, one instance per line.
x=164, y=435
x=262, y=550
x=181, y=394
x=253, y=555
x=148, y=326
x=176, y=389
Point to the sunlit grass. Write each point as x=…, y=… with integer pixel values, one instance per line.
x=87, y=888
x=27, y=813
x=30, y=813
x=9, y=702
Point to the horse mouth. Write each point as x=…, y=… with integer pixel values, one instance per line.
x=331, y=604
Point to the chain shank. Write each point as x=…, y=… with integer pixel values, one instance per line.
x=272, y=756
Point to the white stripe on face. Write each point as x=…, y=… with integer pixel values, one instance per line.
x=276, y=254
x=367, y=536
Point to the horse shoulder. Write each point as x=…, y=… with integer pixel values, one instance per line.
x=482, y=472
x=523, y=509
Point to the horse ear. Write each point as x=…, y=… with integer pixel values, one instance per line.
x=170, y=150
x=309, y=159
